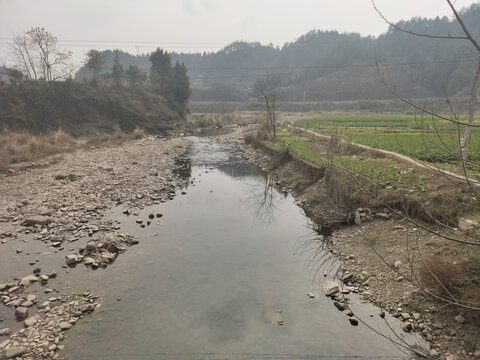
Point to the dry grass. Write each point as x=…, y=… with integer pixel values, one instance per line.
x=118, y=137
x=16, y=147
x=441, y=275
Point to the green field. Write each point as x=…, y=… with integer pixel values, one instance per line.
x=383, y=170
x=424, y=139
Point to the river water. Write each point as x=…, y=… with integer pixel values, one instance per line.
x=215, y=277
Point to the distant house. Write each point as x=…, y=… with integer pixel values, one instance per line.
x=5, y=75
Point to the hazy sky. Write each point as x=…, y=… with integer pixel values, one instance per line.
x=198, y=25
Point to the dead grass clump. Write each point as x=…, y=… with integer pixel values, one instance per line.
x=16, y=147
x=139, y=133
x=440, y=275
x=118, y=137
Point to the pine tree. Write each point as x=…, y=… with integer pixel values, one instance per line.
x=181, y=84
x=161, y=74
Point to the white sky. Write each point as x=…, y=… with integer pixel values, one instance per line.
x=172, y=23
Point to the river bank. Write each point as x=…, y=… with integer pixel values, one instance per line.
x=52, y=218
x=382, y=256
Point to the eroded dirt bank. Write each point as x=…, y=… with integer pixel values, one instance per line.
x=57, y=210
x=383, y=257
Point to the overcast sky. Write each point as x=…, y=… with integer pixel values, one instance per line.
x=203, y=24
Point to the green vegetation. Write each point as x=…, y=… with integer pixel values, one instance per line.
x=424, y=140
x=380, y=170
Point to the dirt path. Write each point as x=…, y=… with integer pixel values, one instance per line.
x=394, y=155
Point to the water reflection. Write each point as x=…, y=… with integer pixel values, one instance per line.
x=208, y=279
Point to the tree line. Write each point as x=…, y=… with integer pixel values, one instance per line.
x=425, y=67
x=170, y=82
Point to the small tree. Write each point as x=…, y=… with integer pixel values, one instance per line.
x=266, y=88
x=117, y=71
x=95, y=62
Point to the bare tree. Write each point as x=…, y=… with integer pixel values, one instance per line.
x=267, y=89
x=22, y=49
x=37, y=55
x=464, y=141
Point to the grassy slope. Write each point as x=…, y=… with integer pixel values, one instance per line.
x=80, y=109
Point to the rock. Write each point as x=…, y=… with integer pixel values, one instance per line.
x=132, y=241
x=358, y=220
x=151, y=216
x=52, y=274
x=72, y=177
x=365, y=276
x=71, y=259
x=434, y=353
x=310, y=295
x=159, y=215
x=383, y=215
x=15, y=352
x=340, y=305
x=459, y=319
x=406, y=326
x=417, y=316
x=19, y=251
x=38, y=220
x=397, y=264
x=88, y=261
x=30, y=321
x=330, y=287
x=113, y=248
x=347, y=278
x=91, y=246
x=27, y=304
x=86, y=308
x=21, y=312
x=109, y=257
x=60, y=177
x=5, y=332
x=46, y=212
x=64, y=325
x=466, y=224
x=353, y=320
x=407, y=296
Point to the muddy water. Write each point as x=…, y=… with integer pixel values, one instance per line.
x=215, y=277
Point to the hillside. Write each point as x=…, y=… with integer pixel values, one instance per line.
x=81, y=109
x=332, y=66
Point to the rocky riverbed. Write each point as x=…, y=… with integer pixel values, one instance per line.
x=58, y=205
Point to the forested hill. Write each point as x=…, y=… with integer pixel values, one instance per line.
x=327, y=65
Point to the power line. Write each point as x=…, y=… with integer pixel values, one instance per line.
x=130, y=46
x=131, y=42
